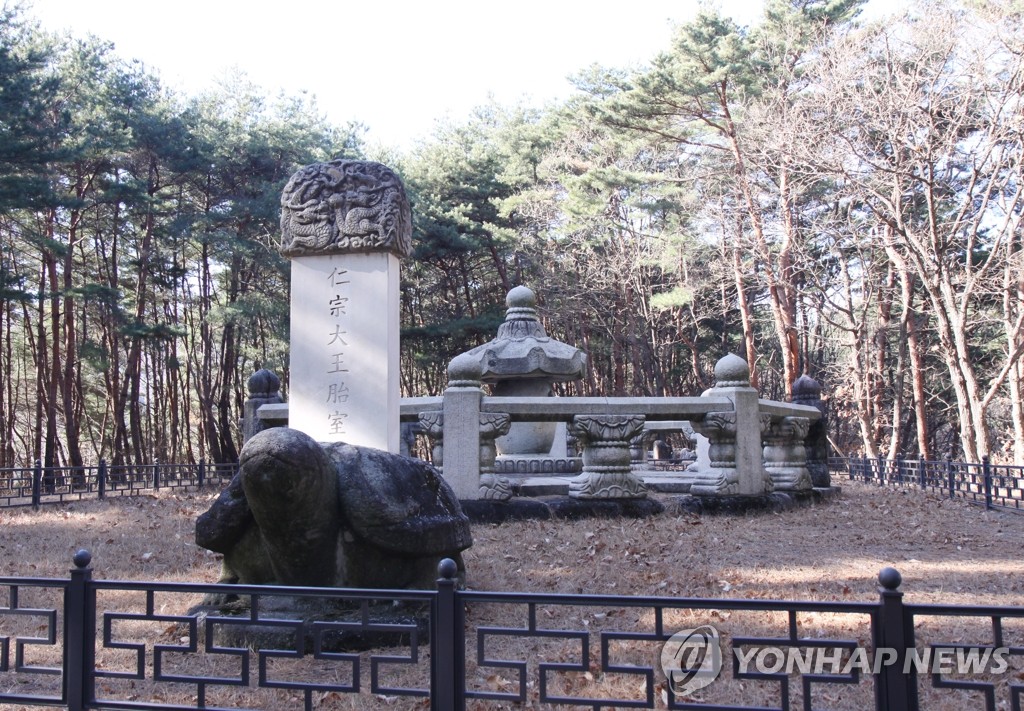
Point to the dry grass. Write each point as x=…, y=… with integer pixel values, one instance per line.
x=947, y=551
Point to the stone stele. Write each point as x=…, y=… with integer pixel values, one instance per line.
x=308, y=514
x=345, y=225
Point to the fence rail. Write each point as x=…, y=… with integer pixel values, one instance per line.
x=994, y=486
x=83, y=643
x=33, y=486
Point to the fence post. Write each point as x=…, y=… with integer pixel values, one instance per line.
x=448, y=643
x=894, y=630
x=156, y=474
x=79, y=635
x=986, y=474
x=202, y=473
x=37, y=484
x=949, y=476
x=101, y=479
x=922, y=467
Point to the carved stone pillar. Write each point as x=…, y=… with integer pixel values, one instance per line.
x=432, y=424
x=736, y=459
x=807, y=391
x=606, y=464
x=720, y=477
x=492, y=426
x=785, y=458
x=345, y=225
x=461, y=423
x=264, y=389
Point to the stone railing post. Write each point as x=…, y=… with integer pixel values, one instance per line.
x=461, y=425
x=607, y=473
x=736, y=466
x=264, y=389
x=785, y=458
x=491, y=426
x=807, y=391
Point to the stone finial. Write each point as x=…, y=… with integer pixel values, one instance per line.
x=263, y=383
x=806, y=389
x=464, y=370
x=732, y=372
x=522, y=349
x=345, y=206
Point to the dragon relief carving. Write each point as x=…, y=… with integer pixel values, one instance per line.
x=345, y=206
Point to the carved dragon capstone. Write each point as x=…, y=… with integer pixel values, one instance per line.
x=345, y=206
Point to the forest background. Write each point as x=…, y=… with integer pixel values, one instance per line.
x=818, y=194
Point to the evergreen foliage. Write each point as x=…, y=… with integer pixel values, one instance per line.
x=816, y=193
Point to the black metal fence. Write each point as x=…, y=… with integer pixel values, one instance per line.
x=33, y=486
x=990, y=485
x=481, y=649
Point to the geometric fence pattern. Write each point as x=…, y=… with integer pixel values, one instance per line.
x=84, y=643
x=991, y=485
x=32, y=486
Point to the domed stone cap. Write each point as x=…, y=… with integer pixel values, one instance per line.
x=523, y=350
x=732, y=372
x=464, y=370
x=806, y=389
x=262, y=383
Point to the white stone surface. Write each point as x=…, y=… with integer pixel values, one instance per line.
x=344, y=349
x=703, y=448
x=461, y=412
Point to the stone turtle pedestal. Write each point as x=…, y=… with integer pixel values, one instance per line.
x=309, y=623
x=303, y=514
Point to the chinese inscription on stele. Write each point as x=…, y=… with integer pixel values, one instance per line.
x=337, y=370
x=345, y=206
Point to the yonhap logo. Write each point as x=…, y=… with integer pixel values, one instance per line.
x=692, y=659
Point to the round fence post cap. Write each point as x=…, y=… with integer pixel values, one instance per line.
x=448, y=569
x=82, y=558
x=889, y=578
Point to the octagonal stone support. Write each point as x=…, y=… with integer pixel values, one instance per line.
x=606, y=462
x=785, y=457
x=492, y=426
x=719, y=477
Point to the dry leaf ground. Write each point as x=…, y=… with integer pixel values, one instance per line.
x=947, y=551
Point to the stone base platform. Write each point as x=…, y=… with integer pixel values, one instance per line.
x=544, y=498
x=560, y=507
x=657, y=482
x=291, y=623
x=769, y=503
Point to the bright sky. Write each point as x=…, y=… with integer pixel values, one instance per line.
x=395, y=66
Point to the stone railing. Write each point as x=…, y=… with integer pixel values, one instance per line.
x=755, y=446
